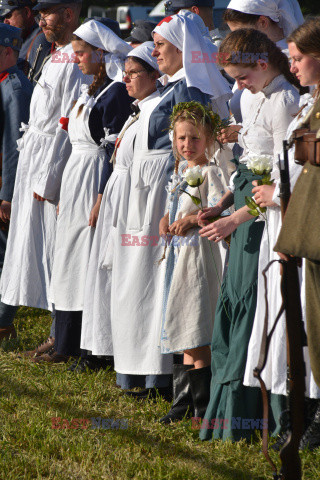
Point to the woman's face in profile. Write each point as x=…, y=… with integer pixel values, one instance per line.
x=304, y=67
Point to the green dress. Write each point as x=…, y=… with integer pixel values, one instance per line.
x=233, y=407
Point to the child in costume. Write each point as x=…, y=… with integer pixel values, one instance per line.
x=193, y=265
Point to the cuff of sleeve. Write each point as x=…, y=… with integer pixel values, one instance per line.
x=240, y=138
x=276, y=194
x=6, y=194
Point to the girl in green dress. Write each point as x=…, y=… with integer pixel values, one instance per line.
x=256, y=63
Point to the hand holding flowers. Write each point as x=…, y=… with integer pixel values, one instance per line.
x=206, y=215
x=260, y=165
x=263, y=194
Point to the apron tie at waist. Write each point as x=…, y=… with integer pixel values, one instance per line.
x=120, y=168
x=34, y=129
x=24, y=127
x=87, y=147
x=20, y=142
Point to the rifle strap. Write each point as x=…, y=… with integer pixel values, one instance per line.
x=265, y=344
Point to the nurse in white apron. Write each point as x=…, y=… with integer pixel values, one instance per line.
x=140, y=75
x=95, y=121
x=136, y=276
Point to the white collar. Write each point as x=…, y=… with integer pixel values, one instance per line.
x=141, y=102
x=165, y=79
x=273, y=85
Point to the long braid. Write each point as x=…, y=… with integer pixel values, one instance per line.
x=98, y=80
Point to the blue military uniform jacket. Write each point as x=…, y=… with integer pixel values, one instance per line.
x=16, y=91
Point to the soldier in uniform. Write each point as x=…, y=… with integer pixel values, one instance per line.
x=15, y=90
x=18, y=13
x=35, y=48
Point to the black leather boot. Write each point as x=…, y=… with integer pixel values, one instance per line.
x=311, y=437
x=182, y=398
x=200, y=379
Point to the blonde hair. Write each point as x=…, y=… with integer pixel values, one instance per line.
x=200, y=116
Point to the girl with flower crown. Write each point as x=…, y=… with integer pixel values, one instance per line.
x=273, y=100
x=193, y=266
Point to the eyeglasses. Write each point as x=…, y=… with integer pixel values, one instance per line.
x=132, y=75
x=38, y=18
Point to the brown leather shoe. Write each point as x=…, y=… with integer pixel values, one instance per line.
x=7, y=332
x=40, y=350
x=51, y=357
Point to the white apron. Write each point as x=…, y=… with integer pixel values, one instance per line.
x=79, y=192
x=136, y=276
x=44, y=150
x=96, y=334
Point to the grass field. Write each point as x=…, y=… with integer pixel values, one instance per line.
x=33, y=396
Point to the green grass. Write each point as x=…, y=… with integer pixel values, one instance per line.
x=31, y=395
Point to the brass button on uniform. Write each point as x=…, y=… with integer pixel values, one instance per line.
x=317, y=115
x=305, y=170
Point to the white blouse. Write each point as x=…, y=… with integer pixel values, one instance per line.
x=267, y=116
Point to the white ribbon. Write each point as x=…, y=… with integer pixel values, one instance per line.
x=108, y=138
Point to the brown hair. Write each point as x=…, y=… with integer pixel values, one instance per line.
x=307, y=39
x=99, y=78
x=247, y=46
x=234, y=16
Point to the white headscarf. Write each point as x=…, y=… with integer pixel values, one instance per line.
x=100, y=36
x=187, y=32
x=285, y=12
x=144, y=51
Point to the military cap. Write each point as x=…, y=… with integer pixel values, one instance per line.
x=141, y=32
x=108, y=22
x=42, y=5
x=7, y=6
x=172, y=6
x=10, y=36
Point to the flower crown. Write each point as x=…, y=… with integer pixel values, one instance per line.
x=196, y=112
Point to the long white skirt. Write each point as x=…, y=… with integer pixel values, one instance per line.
x=26, y=273
x=136, y=275
x=79, y=192
x=96, y=332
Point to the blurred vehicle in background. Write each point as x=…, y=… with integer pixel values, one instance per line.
x=125, y=15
